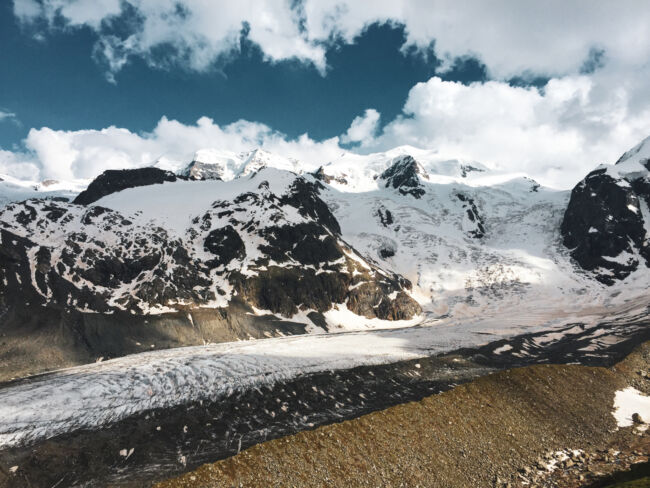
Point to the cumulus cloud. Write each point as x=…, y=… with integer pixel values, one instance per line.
x=595, y=106
x=555, y=135
x=363, y=128
x=19, y=165
x=553, y=37
x=193, y=34
x=83, y=154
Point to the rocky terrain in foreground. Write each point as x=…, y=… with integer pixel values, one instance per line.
x=544, y=425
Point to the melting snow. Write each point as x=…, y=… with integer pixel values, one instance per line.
x=627, y=402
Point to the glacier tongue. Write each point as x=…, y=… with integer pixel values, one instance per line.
x=96, y=394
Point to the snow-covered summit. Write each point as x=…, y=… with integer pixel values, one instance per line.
x=227, y=165
x=638, y=154
x=13, y=189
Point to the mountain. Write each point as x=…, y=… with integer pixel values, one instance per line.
x=211, y=164
x=249, y=245
x=183, y=262
x=607, y=221
x=13, y=189
x=112, y=181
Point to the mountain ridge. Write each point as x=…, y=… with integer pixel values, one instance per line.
x=385, y=240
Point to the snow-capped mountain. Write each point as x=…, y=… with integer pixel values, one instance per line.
x=254, y=244
x=607, y=222
x=211, y=164
x=13, y=189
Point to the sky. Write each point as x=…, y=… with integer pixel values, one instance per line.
x=550, y=88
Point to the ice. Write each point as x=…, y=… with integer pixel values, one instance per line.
x=92, y=395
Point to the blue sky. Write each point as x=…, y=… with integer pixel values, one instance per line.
x=124, y=82
x=56, y=83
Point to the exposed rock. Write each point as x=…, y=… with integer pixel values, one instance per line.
x=112, y=181
x=603, y=226
x=320, y=174
x=385, y=216
x=386, y=252
x=404, y=175
x=475, y=224
x=465, y=169
x=197, y=170
x=226, y=244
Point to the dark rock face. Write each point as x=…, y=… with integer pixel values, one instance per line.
x=112, y=181
x=306, y=265
x=603, y=225
x=385, y=216
x=197, y=170
x=403, y=175
x=386, y=252
x=104, y=262
x=477, y=223
x=225, y=244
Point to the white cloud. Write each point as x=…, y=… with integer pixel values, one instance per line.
x=555, y=136
x=7, y=116
x=68, y=155
x=363, y=127
x=552, y=37
x=196, y=32
x=19, y=165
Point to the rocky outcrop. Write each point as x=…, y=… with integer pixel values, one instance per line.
x=112, y=181
x=197, y=170
x=321, y=175
x=604, y=224
x=70, y=256
x=404, y=175
x=466, y=169
x=474, y=223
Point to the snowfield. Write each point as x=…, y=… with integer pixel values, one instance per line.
x=518, y=263
x=15, y=190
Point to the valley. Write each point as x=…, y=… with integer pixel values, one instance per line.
x=162, y=320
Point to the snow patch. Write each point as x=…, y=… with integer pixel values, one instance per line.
x=627, y=402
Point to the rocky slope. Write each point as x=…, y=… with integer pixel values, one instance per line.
x=546, y=425
x=112, y=181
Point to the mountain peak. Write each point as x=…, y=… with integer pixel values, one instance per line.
x=636, y=159
x=404, y=175
x=198, y=170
